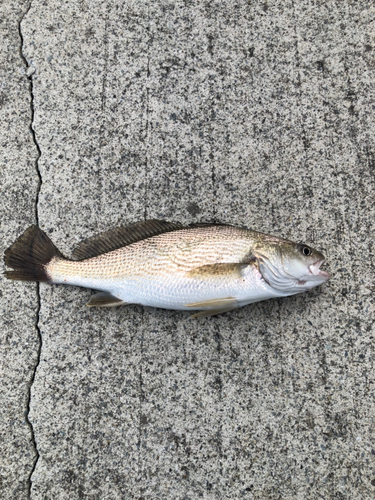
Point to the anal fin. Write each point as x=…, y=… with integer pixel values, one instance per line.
x=104, y=299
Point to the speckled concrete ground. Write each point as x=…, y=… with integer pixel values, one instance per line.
x=255, y=113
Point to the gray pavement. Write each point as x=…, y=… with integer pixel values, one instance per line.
x=259, y=114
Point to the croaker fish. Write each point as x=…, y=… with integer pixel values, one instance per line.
x=212, y=268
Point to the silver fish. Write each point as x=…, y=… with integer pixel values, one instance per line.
x=211, y=268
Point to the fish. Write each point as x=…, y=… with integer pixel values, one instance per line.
x=204, y=267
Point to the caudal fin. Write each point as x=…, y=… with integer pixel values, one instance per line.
x=29, y=255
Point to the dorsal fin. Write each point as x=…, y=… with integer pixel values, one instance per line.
x=121, y=237
x=209, y=224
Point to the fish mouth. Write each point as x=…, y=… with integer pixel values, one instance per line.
x=316, y=271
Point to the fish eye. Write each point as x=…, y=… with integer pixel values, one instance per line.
x=305, y=250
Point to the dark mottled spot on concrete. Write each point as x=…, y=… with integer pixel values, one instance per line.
x=193, y=209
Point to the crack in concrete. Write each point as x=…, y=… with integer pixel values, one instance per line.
x=219, y=387
x=211, y=109
x=304, y=139
x=147, y=119
x=146, y=164
x=145, y=216
x=40, y=181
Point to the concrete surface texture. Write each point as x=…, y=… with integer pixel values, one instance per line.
x=258, y=114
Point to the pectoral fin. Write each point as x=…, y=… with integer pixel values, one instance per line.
x=217, y=271
x=212, y=312
x=214, y=303
x=104, y=299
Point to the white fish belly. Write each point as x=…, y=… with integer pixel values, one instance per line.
x=176, y=292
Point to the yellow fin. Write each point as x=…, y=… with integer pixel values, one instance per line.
x=217, y=270
x=104, y=299
x=224, y=302
x=212, y=312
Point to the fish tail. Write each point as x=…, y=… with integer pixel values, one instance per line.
x=29, y=256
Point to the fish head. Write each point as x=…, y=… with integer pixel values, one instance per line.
x=290, y=267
